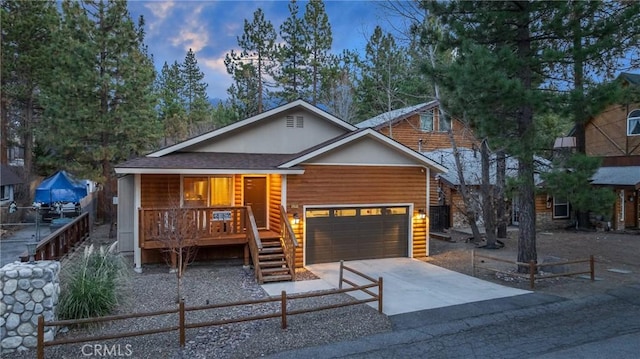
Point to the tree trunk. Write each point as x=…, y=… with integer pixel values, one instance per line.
x=501, y=184
x=488, y=212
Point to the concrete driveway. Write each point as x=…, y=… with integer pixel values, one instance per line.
x=409, y=285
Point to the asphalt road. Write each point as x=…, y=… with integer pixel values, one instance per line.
x=13, y=245
x=526, y=326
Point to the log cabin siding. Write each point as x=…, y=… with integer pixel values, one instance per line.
x=160, y=191
x=347, y=185
x=606, y=134
x=409, y=134
x=275, y=199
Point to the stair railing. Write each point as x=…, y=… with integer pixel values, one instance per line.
x=255, y=244
x=289, y=242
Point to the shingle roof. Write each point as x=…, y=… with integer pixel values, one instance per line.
x=392, y=115
x=7, y=176
x=633, y=79
x=205, y=160
x=621, y=176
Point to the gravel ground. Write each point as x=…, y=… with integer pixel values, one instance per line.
x=217, y=282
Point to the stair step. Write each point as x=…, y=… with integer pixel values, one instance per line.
x=271, y=250
x=266, y=257
x=270, y=264
x=273, y=270
x=276, y=278
x=271, y=243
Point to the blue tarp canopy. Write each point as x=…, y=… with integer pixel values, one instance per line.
x=60, y=187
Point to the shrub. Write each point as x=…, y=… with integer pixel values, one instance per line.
x=91, y=286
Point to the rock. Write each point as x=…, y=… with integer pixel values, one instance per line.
x=22, y=296
x=26, y=329
x=37, y=272
x=47, y=303
x=10, y=286
x=13, y=320
x=37, y=295
x=26, y=316
x=8, y=299
x=11, y=273
x=11, y=342
x=30, y=342
x=24, y=284
x=18, y=308
x=48, y=289
x=30, y=305
x=38, y=308
x=25, y=272
x=38, y=283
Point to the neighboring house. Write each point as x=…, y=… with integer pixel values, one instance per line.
x=8, y=181
x=421, y=128
x=294, y=173
x=614, y=135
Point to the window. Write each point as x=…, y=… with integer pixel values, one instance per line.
x=207, y=191
x=560, y=207
x=633, y=123
x=426, y=121
x=5, y=193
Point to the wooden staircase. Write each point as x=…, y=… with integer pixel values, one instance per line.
x=271, y=260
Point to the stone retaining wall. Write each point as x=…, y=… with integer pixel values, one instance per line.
x=27, y=291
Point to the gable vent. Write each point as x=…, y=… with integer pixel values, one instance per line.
x=299, y=122
x=289, y=121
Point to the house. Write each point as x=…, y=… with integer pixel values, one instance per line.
x=293, y=184
x=8, y=181
x=614, y=136
x=422, y=128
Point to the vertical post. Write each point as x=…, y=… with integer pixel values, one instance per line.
x=532, y=274
x=40, y=348
x=380, y=291
x=283, y=309
x=592, y=267
x=181, y=323
x=473, y=262
x=246, y=255
x=341, y=273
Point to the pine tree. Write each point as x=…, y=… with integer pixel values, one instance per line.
x=316, y=21
x=100, y=110
x=251, y=67
x=28, y=27
x=293, y=56
x=340, y=80
x=172, y=109
x=195, y=91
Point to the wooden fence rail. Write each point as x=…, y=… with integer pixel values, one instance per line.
x=63, y=241
x=533, y=268
x=182, y=310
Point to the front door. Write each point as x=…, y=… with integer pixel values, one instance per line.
x=255, y=195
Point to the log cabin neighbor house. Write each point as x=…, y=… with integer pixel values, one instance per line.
x=422, y=128
x=614, y=136
x=288, y=187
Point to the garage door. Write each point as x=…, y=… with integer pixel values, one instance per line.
x=334, y=234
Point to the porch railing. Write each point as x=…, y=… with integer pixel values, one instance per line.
x=289, y=242
x=63, y=241
x=214, y=225
x=255, y=244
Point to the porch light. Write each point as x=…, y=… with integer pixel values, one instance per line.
x=296, y=218
x=421, y=214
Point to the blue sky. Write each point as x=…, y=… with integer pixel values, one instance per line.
x=211, y=29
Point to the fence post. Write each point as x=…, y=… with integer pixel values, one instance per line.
x=283, y=308
x=40, y=348
x=592, y=267
x=473, y=262
x=380, y=291
x=340, y=278
x=181, y=323
x=532, y=274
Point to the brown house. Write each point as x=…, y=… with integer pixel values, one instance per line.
x=421, y=128
x=288, y=187
x=614, y=135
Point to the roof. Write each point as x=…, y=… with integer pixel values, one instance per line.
x=633, y=79
x=206, y=162
x=394, y=115
x=617, y=176
x=221, y=131
x=472, y=167
x=7, y=176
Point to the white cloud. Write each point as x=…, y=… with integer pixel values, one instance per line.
x=194, y=33
x=160, y=9
x=216, y=76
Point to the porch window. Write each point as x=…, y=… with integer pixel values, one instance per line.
x=5, y=193
x=560, y=207
x=207, y=191
x=633, y=123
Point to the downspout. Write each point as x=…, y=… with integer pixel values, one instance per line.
x=137, y=252
x=428, y=233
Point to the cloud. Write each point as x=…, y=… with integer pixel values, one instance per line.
x=194, y=33
x=160, y=9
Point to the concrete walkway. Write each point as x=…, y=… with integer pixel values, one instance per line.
x=409, y=285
